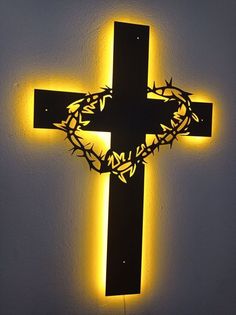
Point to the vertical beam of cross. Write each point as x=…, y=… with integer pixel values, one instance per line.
x=125, y=222
x=129, y=117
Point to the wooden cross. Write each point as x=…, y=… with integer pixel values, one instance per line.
x=129, y=116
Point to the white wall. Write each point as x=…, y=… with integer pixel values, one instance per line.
x=47, y=224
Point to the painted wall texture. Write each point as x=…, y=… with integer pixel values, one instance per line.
x=52, y=207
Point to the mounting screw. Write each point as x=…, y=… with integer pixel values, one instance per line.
x=137, y=37
x=124, y=261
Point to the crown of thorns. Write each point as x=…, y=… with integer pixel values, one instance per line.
x=123, y=164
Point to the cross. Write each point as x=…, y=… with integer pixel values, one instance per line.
x=129, y=116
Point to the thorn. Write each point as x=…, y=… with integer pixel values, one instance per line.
x=184, y=94
x=108, y=88
x=73, y=150
x=169, y=84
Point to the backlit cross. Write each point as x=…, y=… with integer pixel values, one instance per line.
x=129, y=116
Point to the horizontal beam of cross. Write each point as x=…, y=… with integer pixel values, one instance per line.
x=51, y=106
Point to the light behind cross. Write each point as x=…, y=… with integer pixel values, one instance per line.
x=129, y=116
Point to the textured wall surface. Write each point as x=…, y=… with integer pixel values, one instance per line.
x=48, y=216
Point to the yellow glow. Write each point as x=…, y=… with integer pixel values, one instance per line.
x=105, y=54
x=105, y=49
x=90, y=278
x=153, y=252
x=152, y=264
x=100, y=216
x=97, y=242
x=94, y=243
x=200, y=143
x=149, y=260
x=151, y=230
x=98, y=237
x=25, y=106
x=95, y=238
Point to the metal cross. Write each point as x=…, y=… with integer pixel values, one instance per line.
x=129, y=116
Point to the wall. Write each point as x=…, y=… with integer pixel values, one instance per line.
x=53, y=210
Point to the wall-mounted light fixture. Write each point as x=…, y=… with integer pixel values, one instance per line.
x=126, y=112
